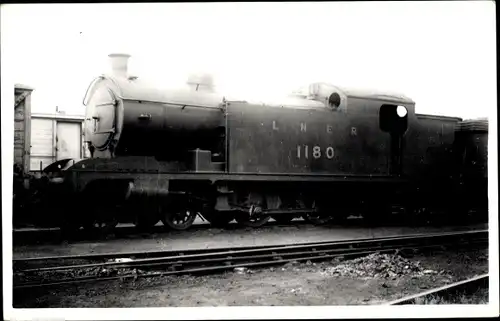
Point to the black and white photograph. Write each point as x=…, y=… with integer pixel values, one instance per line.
x=242, y=160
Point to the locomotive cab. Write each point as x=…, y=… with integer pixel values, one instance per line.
x=393, y=119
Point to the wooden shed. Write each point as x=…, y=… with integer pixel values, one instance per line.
x=55, y=137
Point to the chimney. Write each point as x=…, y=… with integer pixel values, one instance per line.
x=119, y=64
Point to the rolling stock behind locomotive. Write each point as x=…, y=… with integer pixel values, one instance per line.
x=168, y=155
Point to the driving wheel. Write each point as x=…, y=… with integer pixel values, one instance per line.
x=179, y=216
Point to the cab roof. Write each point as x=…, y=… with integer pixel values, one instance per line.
x=377, y=94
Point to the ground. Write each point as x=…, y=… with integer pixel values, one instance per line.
x=478, y=297
x=329, y=283
x=216, y=238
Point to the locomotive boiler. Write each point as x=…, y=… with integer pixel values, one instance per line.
x=171, y=155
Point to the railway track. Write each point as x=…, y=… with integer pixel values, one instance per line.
x=447, y=292
x=49, y=271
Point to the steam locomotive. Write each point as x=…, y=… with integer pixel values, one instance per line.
x=321, y=154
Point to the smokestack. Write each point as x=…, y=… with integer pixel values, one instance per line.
x=119, y=64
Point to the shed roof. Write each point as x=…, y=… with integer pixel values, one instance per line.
x=58, y=116
x=21, y=87
x=21, y=92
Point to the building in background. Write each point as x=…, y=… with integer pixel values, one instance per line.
x=22, y=126
x=55, y=137
x=40, y=138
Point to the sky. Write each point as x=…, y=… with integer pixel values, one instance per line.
x=440, y=54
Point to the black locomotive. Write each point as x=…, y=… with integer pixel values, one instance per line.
x=322, y=154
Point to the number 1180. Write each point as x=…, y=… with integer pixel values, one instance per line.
x=304, y=151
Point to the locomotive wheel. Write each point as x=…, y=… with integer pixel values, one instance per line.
x=179, y=218
x=318, y=217
x=256, y=221
x=100, y=225
x=252, y=218
x=102, y=216
x=101, y=221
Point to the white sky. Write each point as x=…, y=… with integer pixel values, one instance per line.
x=441, y=54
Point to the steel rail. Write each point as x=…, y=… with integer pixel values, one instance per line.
x=202, y=270
x=256, y=250
x=275, y=256
x=236, y=256
x=229, y=257
x=183, y=253
x=468, y=286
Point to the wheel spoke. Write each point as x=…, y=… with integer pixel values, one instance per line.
x=256, y=221
x=178, y=218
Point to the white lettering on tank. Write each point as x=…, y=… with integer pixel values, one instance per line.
x=316, y=152
x=303, y=127
x=330, y=152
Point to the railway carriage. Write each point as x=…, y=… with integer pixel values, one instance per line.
x=173, y=154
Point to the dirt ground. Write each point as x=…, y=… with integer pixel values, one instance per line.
x=304, y=284
x=478, y=297
x=217, y=238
